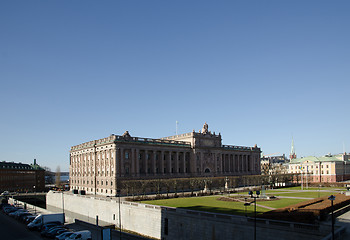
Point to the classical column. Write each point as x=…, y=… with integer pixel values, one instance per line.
x=169, y=162
x=122, y=170
x=184, y=161
x=146, y=162
x=192, y=162
x=222, y=167
x=216, y=162
x=241, y=162
x=177, y=162
x=154, y=164
x=132, y=162
x=137, y=152
x=249, y=164
x=161, y=162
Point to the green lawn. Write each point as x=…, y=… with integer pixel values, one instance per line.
x=212, y=204
x=304, y=194
x=208, y=204
x=281, y=202
x=309, y=188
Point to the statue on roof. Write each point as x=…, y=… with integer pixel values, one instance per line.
x=205, y=128
x=126, y=134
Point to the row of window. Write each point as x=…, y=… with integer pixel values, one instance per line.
x=92, y=182
x=311, y=172
x=91, y=189
x=311, y=166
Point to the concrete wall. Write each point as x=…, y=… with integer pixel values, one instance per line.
x=28, y=207
x=141, y=218
x=171, y=223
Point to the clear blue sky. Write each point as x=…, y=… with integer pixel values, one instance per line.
x=259, y=72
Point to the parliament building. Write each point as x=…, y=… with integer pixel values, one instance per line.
x=96, y=166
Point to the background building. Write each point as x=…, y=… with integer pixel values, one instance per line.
x=21, y=177
x=96, y=166
x=328, y=168
x=274, y=165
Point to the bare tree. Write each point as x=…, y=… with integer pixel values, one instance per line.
x=58, y=177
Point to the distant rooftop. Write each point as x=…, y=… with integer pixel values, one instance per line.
x=326, y=158
x=24, y=166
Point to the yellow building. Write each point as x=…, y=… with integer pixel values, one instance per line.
x=328, y=168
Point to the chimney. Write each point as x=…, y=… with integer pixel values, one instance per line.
x=34, y=161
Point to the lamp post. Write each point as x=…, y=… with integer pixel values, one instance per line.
x=245, y=206
x=120, y=221
x=332, y=198
x=62, y=202
x=34, y=200
x=251, y=193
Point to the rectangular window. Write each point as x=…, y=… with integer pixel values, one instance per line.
x=126, y=155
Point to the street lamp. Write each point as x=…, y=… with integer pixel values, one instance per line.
x=62, y=202
x=120, y=221
x=251, y=193
x=34, y=200
x=332, y=198
x=245, y=206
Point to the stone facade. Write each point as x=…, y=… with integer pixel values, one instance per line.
x=21, y=177
x=96, y=166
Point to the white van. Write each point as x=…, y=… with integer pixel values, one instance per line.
x=81, y=235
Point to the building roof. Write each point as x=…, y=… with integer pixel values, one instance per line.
x=13, y=165
x=326, y=158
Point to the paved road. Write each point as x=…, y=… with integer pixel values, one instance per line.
x=11, y=229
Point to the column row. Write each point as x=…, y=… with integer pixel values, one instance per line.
x=137, y=162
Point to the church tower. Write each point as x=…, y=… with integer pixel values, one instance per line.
x=292, y=151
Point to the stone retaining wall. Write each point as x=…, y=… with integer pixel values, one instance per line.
x=176, y=223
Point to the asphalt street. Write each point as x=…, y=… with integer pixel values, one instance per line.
x=11, y=229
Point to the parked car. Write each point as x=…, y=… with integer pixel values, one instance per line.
x=22, y=215
x=29, y=218
x=63, y=236
x=81, y=235
x=9, y=209
x=5, y=193
x=5, y=206
x=46, y=232
x=49, y=225
x=55, y=232
x=17, y=212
